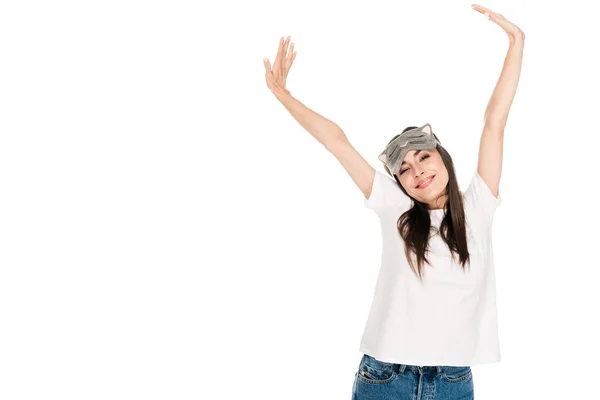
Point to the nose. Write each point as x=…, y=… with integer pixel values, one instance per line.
x=417, y=173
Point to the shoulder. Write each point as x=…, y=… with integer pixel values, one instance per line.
x=479, y=199
x=386, y=193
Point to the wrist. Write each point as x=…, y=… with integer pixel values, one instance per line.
x=517, y=40
x=281, y=93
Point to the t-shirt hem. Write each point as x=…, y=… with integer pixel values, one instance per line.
x=421, y=362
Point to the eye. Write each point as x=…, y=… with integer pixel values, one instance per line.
x=422, y=158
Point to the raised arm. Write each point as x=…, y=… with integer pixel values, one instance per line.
x=326, y=132
x=489, y=165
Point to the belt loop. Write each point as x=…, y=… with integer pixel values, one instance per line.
x=402, y=369
x=439, y=369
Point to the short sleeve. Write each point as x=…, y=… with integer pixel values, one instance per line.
x=385, y=193
x=479, y=197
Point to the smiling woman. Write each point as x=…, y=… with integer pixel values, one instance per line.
x=427, y=325
x=417, y=173
x=427, y=176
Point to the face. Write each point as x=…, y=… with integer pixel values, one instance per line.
x=420, y=165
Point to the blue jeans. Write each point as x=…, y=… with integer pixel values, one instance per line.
x=378, y=380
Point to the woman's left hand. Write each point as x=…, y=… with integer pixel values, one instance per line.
x=513, y=31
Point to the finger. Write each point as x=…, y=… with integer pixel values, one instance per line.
x=277, y=61
x=488, y=15
x=268, y=72
x=480, y=11
x=267, y=65
x=478, y=8
x=280, y=66
x=492, y=16
x=285, y=50
x=483, y=10
x=290, y=61
x=290, y=53
x=293, y=58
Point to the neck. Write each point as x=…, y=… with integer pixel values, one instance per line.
x=438, y=203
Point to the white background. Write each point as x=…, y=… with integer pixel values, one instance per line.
x=169, y=231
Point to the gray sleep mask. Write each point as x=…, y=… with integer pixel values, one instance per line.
x=414, y=139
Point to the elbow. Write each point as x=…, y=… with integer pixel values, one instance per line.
x=494, y=124
x=334, y=138
x=493, y=130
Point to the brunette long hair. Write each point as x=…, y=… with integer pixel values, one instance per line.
x=414, y=226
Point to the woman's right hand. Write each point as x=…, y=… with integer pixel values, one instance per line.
x=277, y=75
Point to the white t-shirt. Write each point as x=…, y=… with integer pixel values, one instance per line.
x=450, y=318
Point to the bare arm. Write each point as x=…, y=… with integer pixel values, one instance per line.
x=496, y=113
x=489, y=165
x=321, y=128
x=326, y=132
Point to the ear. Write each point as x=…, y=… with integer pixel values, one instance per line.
x=426, y=129
x=383, y=158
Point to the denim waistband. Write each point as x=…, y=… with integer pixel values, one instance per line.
x=401, y=368
x=421, y=369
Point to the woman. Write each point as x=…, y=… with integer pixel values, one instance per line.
x=434, y=308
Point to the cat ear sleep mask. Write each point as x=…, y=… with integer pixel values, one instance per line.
x=414, y=139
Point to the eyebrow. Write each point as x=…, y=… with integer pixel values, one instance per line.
x=416, y=154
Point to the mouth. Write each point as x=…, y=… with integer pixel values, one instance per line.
x=426, y=182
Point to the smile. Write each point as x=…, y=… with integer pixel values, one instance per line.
x=426, y=183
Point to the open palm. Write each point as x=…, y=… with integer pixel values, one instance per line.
x=277, y=75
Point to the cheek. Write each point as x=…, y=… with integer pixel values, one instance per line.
x=405, y=183
x=438, y=164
